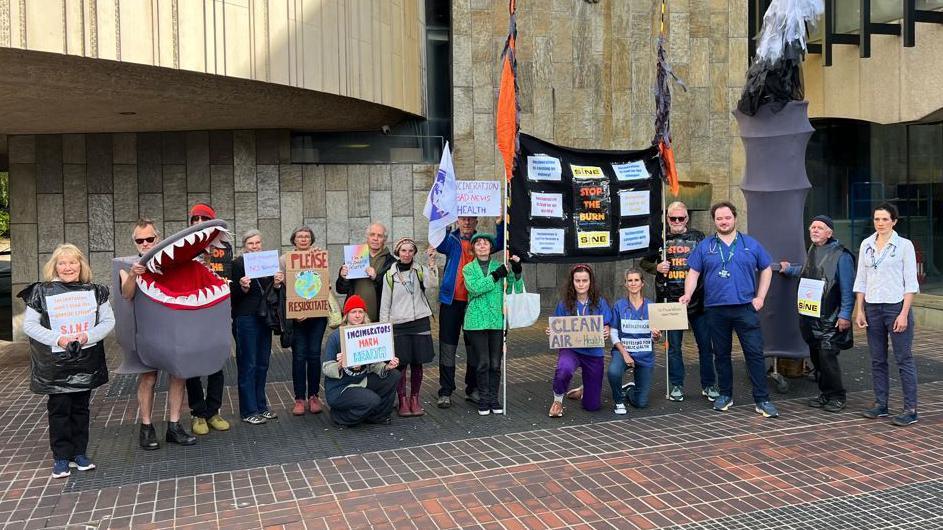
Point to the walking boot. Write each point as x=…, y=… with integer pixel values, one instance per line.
x=148, y=438
x=404, y=408
x=415, y=406
x=176, y=434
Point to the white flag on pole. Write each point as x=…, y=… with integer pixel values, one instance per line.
x=440, y=206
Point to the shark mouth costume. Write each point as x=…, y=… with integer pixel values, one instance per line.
x=179, y=319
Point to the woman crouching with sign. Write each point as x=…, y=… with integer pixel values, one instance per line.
x=632, y=345
x=362, y=393
x=404, y=305
x=67, y=318
x=581, y=298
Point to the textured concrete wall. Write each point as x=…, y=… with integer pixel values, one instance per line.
x=89, y=190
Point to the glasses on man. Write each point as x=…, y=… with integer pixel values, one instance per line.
x=142, y=240
x=677, y=219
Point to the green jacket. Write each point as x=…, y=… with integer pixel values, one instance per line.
x=485, y=301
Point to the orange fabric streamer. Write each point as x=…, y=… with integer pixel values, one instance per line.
x=671, y=171
x=506, y=118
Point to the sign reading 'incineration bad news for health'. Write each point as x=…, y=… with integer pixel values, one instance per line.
x=577, y=332
x=367, y=344
x=308, y=282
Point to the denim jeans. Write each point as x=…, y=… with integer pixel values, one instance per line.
x=705, y=352
x=637, y=396
x=881, y=324
x=724, y=320
x=306, y=337
x=255, y=349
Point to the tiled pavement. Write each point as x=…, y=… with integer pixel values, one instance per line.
x=674, y=465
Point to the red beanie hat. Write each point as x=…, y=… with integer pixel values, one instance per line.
x=203, y=210
x=354, y=302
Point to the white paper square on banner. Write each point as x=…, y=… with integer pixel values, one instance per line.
x=546, y=205
x=544, y=167
x=634, y=238
x=631, y=171
x=546, y=240
x=633, y=203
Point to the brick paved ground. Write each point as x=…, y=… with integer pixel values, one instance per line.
x=672, y=465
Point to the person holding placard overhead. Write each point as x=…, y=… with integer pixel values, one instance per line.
x=404, y=305
x=360, y=394
x=581, y=298
x=249, y=308
x=733, y=296
x=825, y=322
x=67, y=352
x=631, y=345
x=885, y=288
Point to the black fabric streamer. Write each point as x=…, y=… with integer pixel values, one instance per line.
x=774, y=84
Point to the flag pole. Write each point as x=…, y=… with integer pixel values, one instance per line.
x=664, y=227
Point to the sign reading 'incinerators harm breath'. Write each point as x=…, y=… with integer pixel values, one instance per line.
x=577, y=332
x=367, y=344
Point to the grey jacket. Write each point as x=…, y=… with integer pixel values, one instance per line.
x=403, y=299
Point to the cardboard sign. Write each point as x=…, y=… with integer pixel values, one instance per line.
x=357, y=259
x=71, y=313
x=668, y=316
x=307, y=281
x=577, y=332
x=366, y=344
x=261, y=264
x=476, y=198
x=810, y=297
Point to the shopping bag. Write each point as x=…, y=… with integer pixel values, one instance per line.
x=523, y=309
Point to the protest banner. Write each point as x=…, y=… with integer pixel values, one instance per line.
x=366, y=344
x=357, y=259
x=476, y=198
x=307, y=280
x=577, y=332
x=668, y=316
x=71, y=313
x=261, y=264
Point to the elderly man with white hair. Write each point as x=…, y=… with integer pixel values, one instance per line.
x=370, y=288
x=828, y=333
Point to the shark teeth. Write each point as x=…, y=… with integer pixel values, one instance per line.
x=202, y=297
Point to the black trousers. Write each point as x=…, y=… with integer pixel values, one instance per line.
x=372, y=404
x=205, y=406
x=488, y=346
x=68, y=424
x=451, y=318
x=827, y=371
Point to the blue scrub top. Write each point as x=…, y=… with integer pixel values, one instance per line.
x=739, y=287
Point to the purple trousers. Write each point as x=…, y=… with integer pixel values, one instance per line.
x=567, y=363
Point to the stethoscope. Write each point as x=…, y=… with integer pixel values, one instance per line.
x=870, y=253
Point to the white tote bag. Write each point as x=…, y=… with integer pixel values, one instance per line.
x=523, y=308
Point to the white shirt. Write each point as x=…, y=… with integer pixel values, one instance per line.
x=886, y=276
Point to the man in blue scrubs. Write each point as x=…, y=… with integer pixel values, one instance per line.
x=733, y=296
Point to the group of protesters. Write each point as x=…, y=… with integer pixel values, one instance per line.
x=722, y=278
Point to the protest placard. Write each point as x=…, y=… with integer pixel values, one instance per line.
x=810, y=297
x=366, y=344
x=476, y=198
x=668, y=316
x=577, y=332
x=357, y=259
x=71, y=313
x=261, y=264
x=307, y=281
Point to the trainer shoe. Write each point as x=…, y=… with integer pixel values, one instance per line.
x=627, y=386
x=767, y=409
x=722, y=403
x=60, y=468
x=199, y=425
x=710, y=393
x=299, y=408
x=676, y=394
x=877, y=411
x=444, y=402
x=818, y=401
x=269, y=415
x=218, y=423
x=254, y=419
x=834, y=405
x=905, y=418
x=484, y=410
x=474, y=397
x=497, y=407
x=620, y=409
x=82, y=463
x=314, y=405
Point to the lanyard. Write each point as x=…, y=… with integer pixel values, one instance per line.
x=724, y=260
x=585, y=308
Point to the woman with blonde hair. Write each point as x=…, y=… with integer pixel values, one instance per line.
x=67, y=318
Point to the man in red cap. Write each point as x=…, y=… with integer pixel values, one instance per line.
x=204, y=408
